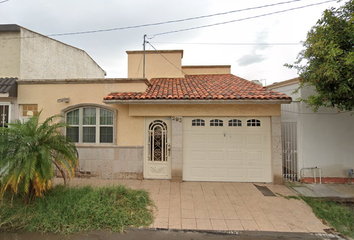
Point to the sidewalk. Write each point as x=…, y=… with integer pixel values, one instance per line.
x=338, y=192
x=218, y=206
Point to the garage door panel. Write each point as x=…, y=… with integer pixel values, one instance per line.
x=254, y=139
x=198, y=155
x=198, y=172
x=198, y=138
x=216, y=155
x=235, y=153
x=236, y=174
x=216, y=139
x=237, y=139
x=235, y=157
x=217, y=172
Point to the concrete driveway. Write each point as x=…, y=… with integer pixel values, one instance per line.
x=222, y=206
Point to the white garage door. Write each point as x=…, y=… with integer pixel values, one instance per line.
x=227, y=149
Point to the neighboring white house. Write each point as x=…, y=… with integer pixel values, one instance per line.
x=314, y=143
x=25, y=54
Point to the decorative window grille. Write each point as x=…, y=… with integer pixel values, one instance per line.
x=198, y=122
x=235, y=123
x=253, y=123
x=216, y=123
x=157, y=141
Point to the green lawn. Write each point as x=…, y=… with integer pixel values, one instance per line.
x=338, y=215
x=70, y=210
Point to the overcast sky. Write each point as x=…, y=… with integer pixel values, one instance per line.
x=240, y=43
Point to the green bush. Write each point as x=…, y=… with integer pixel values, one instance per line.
x=71, y=210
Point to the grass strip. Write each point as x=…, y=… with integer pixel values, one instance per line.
x=70, y=210
x=338, y=215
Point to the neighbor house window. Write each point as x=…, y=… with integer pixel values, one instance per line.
x=235, y=123
x=198, y=122
x=253, y=123
x=90, y=125
x=29, y=110
x=216, y=123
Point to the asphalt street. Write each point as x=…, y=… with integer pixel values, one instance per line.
x=171, y=235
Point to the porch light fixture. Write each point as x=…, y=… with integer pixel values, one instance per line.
x=64, y=100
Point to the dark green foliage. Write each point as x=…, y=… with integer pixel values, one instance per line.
x=71, y=210
x=30, y=152
x=327, y=62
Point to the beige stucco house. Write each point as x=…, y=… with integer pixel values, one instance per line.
x=25, y=54
x=191, y=123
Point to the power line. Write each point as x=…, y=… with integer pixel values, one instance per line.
x=266, y=105
x=173, y=21
x=238, y=20
x=4, y=1
x=232, y=44
x=178, y=68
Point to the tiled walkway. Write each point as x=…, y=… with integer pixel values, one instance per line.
x=222, y=206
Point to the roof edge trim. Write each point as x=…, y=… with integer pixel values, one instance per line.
x=278, y=101
x=83, y=81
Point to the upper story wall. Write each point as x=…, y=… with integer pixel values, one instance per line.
x=290, y=112
x=43, y=57
x=29, y=55
x=165, y=63
x=10, y=54
x=201, y=70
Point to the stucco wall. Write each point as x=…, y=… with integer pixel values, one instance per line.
x=43, y=57
x=155, y=64
x=206, y=69
x=10, y=54
x=326, y=140
x=129, y=129
x=205, y=110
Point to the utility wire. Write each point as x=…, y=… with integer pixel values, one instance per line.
x=238, y=20
x=232, y=44
x=265, y=105
x=178, y=68
x=187, y=19
x=4, y=1
x=172, y=21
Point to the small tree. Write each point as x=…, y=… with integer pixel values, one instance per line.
x=327, y=62
x=29, y=154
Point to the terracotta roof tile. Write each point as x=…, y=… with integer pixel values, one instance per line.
x=201, y=87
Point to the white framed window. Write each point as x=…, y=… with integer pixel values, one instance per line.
x=90, y=125
x=198, y=122
x=216, y=123
x=253, y=123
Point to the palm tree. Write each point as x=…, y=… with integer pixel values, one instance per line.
x=29, y=154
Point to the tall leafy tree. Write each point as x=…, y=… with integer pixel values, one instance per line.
x=29, y=154
x=327, y=62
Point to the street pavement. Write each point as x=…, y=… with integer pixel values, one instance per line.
x=146, y=234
